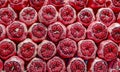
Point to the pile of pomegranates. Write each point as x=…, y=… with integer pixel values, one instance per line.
x=59, y=35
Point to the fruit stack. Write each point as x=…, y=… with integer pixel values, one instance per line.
x=59, y=35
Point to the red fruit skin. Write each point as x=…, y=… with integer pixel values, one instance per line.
x=28, y=15
x=27, y=49
x=2, y=32
x=85, y=51
x=67, y=48
x=57, y=31
x=14, y=64
x=96, y=4
x=118, y=18
x=97, y=31
x=67, y=14
x=56, y=64
x=78, y=65
x=37, y=32
x=17, y=31
x=47, y=14
x=119, y=51
x=57, y=3
x=19, y=4
x=114, y=32
x=78, y=4
x=97, y=65
x=114, y=5
x=108, y=50
x=7, y=49
x=7, y=16
x=105, y=15
x=36, y=65
x=37, y=4
x=46, y=49
x=1, y=65
x=114, y=65
x=76, y=31
x=3, y=3
x=86, y=16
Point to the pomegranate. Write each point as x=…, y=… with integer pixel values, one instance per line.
x=17, y=31
x=114, y=32
x=56, y=64
x=37, y=4
x=67, y=48
x=78, y=4
x=47, y=14
x=37, y=32
x=36, y=65
x=18, y=4
x=108, y=50
x=67, y=14
x=97, y=65
x=86, y=16
x=114, y=66
x=7, y=16
x=7, y=49
x=105, y=15
x=27, y=49
x=97, y=31
x=46, y=49
x=87, y=49
x=14, y=64
x=76, y=65
x=76, y=31
x=28, y=15
x=56, y=31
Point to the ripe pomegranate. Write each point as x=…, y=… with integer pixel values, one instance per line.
x=37, y=4
x=67, y=48
x=47, y=14
x=46, y=49
x=14, y=64
x=86, y=16
x=114, y=65
x=37, y=32
x=28, y=15
x=87, y=49
x=18, y=4
x=67, y=14
x=76, y=31
x=27, y=49
x=17, y=31
x=78, y=4
x=108, y=50
x=7, y=16
x=114, y=32
x=96, y=4
x=7, y=49
x=114, y=5
x=97, y=65
x=56, y=31
x=105, y=15
x=56, y=64
x=2, y=32
x=76, y=65
x=57, y=3
x=36, y=65
x=97, y=31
